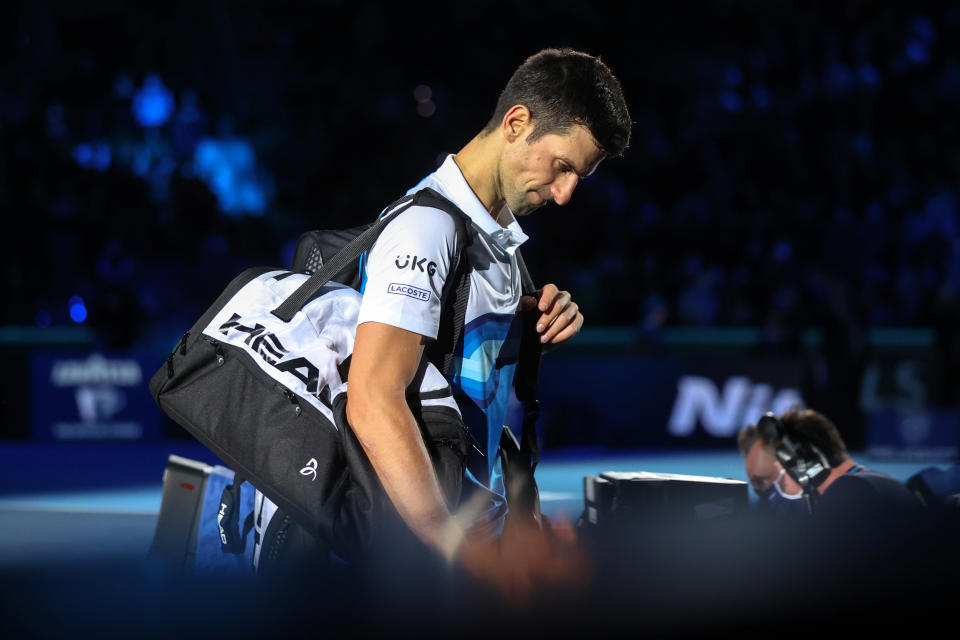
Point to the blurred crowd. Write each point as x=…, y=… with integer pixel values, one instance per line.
x=792, y=165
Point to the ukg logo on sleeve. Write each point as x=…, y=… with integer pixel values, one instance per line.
x=415, y=264
x=406, y=290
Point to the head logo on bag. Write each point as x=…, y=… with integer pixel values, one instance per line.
x=220, y=516
x=271, y=350
x=310, y=469
x=257, y=339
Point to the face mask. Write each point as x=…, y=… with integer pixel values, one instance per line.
x=783, y=494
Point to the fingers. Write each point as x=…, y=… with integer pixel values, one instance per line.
x=562, y=319
x=547, y=296
x=563, y=329
x=525, y=559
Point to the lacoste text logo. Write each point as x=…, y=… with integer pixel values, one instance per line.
x=411, y=292
x=415, y=264
x=310, y=469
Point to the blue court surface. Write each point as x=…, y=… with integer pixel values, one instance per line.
x=91, y=502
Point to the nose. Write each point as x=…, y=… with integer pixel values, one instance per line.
x=562, y=188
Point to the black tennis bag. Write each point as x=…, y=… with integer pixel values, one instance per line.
x=261, y=378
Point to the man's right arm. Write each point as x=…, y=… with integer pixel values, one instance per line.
x=385, y=361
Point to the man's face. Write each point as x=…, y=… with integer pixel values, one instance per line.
x=763, y=470
x=533, y=174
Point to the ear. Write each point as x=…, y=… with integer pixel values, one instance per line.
x=517, y=123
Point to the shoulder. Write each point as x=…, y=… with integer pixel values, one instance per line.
x=420, y=228
x=424, y=219
x=868, y=478
x=870, y=489
x=882, y=484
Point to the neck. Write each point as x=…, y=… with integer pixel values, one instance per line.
x=479, y=163
x=835, y=473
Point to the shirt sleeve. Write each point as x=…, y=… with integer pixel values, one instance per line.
x=404, y=271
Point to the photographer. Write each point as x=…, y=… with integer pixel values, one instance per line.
x=798, y=462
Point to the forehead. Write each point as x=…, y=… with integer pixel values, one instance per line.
x=760, y=463
x=577, y=146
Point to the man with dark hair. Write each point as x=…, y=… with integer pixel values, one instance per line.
x=561, y=113
x=853, y=489
x=563, y=88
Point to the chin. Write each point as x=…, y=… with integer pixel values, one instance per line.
x=527, y=210
x=529, y=206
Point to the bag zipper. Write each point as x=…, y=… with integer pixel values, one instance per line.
x=292, y=397
x=446, y=442
x=217, y=349
x=182, y=348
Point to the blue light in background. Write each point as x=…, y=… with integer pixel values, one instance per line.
x=838, y=78
x=229, y=168
x=923, y=28
x=869, y=75
x=782, y=251
x=43, y=319
x=761, y=97
x=123, y=87
x=731, y=101
x=56, y=121
x=287, y=250
x=917, y=52
x=92, y=155
x=733, y=76
x=78, y=311
x=189, y=112
x=141, y=161
x=148, y=299
x=153, y=103
x=83, y=153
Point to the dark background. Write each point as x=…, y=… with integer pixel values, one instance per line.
x=793, y=169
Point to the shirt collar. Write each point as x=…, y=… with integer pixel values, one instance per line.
x=459, y=191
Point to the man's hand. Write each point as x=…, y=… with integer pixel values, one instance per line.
x=561, y=318
x=525, y=558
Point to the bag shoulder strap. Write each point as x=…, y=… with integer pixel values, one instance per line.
x=527, y=375
x=527, y=287
x=456, y=289
x=352, y=251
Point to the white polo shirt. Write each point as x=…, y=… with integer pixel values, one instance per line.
x=402, y=280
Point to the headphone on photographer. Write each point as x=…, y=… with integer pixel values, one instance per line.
x=803, y=461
